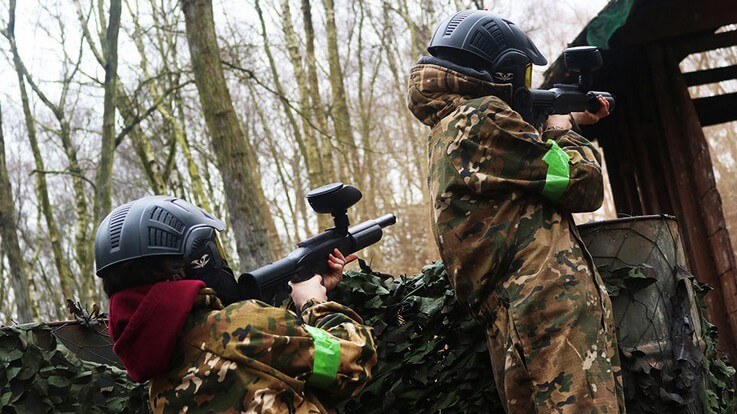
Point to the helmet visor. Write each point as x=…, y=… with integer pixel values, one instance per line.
x=528, y=76
x=220, y=248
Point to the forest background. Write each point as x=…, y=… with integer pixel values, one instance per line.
x=241, y=111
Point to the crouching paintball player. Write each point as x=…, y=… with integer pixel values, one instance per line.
x=165, y=273
x=503, y=193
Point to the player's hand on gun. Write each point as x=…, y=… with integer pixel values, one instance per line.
x=587, y=118
x=318, y=286
x=581, y=118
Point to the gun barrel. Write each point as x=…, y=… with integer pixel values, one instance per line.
x=386, y=220
x=369, y=232
x=310, y=257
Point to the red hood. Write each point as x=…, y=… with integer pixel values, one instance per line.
x=145, y=322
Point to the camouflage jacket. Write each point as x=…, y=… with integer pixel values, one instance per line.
x=254, y=358
x=502, y=192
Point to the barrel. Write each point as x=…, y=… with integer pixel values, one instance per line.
x=658, y=320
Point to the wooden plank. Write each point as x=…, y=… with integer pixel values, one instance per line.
x=692, y=177
x=723, y=260
x=714, y=222
x=703, y=43
x=663, y=19
x=707, y=76
x=716, y=109
x=653, y=160
x=615, y=137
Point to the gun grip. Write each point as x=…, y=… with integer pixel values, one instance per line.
x=249, y=287
x=319, y=268
x=593, y=104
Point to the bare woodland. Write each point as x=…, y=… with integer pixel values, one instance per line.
x=240, y=107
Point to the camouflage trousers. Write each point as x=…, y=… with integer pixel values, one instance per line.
x=552, y=342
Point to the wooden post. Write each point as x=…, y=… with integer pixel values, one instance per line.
x=699, y=207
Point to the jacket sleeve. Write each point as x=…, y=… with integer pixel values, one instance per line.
x=494, y=149
x=335, y=326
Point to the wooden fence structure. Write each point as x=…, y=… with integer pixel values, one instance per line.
x=655, y=148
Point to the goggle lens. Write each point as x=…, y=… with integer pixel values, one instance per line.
x=528, y=76
x=220, y=248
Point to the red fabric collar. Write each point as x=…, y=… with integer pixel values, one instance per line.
x=145, y=322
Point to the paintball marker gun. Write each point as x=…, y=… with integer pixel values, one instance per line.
x=269, y=283
x=536, y=104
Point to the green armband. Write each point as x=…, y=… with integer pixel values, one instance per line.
x=327, y=358
x=558, y=174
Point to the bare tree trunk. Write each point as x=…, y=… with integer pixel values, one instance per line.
x=2, y=289
x=104, y=181
x=419, y=30
x=197, y=187
x=307, y=141
x=63, y=115
x=232, y=150
x=129, y=112
x=311, y=154
x=62, y=267
x=276, y=157
x=328, y=168
x=10, y=245
x=416, y=147
x=279, y=88
x=141, y=142
x=366, y=109
x=314, y=157
x=341, y=114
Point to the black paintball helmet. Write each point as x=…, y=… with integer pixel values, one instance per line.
x=161, y=226
x=492, y=43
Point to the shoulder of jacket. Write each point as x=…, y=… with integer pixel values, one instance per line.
x=487, y=104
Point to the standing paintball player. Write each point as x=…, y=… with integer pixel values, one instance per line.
x=503, y=193
x=166, y=275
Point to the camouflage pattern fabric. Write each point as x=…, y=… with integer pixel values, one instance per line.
x=250, y=357
x=513, y=256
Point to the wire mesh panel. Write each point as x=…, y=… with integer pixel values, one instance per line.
x=88, y=342
x=658, y=320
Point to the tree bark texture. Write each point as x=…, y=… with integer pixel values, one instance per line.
x=232, y=150
x=10, y=244
x=64, y=115
x=328, y=168
x=166, y=112
x=312, y=154
x=341, y=115
x=315, y=159
x=104, y=180
x=62, y=267
x=129, y=112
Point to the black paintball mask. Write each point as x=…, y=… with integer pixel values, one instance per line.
x=516, y=70
x=206, y=261
x=487, y=42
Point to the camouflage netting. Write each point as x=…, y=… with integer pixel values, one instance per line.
x=433, y=356
x=39, y=375
x=669, y=360
x=679, y=380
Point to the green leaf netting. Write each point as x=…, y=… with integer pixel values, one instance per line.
x=432, y=354
x=39, y=375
